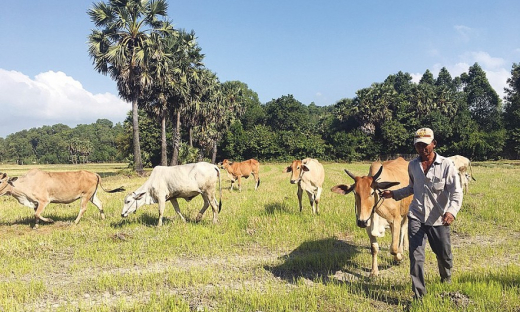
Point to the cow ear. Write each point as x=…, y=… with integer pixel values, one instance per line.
x=385, y=185
x=3, y=175
x=11, y=180
x=305, y=168
x=287, y=169
x=342, y=189
x=139, y=196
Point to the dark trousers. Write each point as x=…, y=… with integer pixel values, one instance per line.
x=440, y=242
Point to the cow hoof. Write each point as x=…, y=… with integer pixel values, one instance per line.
x=398, y=257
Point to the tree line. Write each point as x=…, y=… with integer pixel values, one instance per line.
x=181, y=112
x=466, y=113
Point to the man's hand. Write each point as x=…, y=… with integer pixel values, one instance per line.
x=447, y=219
x=387, y=194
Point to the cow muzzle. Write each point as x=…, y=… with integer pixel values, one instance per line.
x=362, y=223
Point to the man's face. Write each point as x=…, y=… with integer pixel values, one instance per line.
x=424, y=150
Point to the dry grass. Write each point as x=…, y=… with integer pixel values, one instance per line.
x=263, y=255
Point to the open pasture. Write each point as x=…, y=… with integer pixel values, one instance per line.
x=263, y=255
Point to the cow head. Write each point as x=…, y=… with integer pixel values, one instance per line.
x=366, y=194
x=132, y=202
x=6, y=183
x=298, y=169
x=224, y=164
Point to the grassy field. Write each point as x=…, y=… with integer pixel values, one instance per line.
x=263, y=255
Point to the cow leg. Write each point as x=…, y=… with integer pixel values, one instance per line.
x=95, y=200
x=395, y=248
x=300, y=193
x=82, y=209
x=374, y=249
x=232, y=182
x=311, y=201
x=317, y=199
x=208, y=200
x=239, y=183
x=162, y=205
x=38, y=214
x=177, y=208
x=257, y=179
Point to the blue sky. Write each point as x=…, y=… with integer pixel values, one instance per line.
x=318, y=51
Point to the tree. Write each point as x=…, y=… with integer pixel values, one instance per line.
x=286, y=113
x=120, y=46
x=427, y=78
x=483, y=101
x=512, y=112
x=185, y=80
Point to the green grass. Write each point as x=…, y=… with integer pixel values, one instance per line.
x=263, y=255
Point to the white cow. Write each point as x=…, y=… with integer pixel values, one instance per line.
x=309, y=175
x=183, y=181
x=463, y=165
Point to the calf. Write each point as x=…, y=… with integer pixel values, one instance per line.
x=309, y=175
x=237, y=170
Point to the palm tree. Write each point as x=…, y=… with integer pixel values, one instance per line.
x=187, y=57
x=120, y=46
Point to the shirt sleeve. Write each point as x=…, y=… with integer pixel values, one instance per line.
x=407, y=190
x=454, y=188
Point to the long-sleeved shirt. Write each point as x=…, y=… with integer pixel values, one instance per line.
x=434, y=193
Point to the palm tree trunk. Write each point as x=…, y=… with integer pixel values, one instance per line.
x=190, y=131
x=138, y=163
x=214, y=156
x=164, y=157
x=176, y=140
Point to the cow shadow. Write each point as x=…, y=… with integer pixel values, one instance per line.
x=317, y=260
x=330, y=260
x=277, y=207
x=151, y=219
x=29, y=220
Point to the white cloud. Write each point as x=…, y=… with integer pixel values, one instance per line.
x=51, y=98
x=466, y=33
x=484, y=59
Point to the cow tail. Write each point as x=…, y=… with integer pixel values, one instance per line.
x=471, y=170
x=119, y=189
x=220, y=188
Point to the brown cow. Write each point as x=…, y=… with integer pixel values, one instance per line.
x=388, y=212
x=37, y=188
x=237, y=170
x=309, y=175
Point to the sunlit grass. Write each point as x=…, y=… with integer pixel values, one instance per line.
x=263, y=255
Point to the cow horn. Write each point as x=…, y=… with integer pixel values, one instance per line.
x=376, y=176
x=350, y=174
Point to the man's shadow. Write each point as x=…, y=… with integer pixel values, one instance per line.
x=330, y=260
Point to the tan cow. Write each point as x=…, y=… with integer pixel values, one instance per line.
x=309, y=175
x=374, y=212
x=464, y=169
x=37, y=188
x=237, y=170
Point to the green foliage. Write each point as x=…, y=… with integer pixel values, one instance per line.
x=51, y=144
x=512, y=112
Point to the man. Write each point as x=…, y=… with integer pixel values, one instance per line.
x=437, y=198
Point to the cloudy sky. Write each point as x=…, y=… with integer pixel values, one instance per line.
x=318, y=51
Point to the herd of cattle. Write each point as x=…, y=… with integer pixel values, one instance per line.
x=37, y=188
